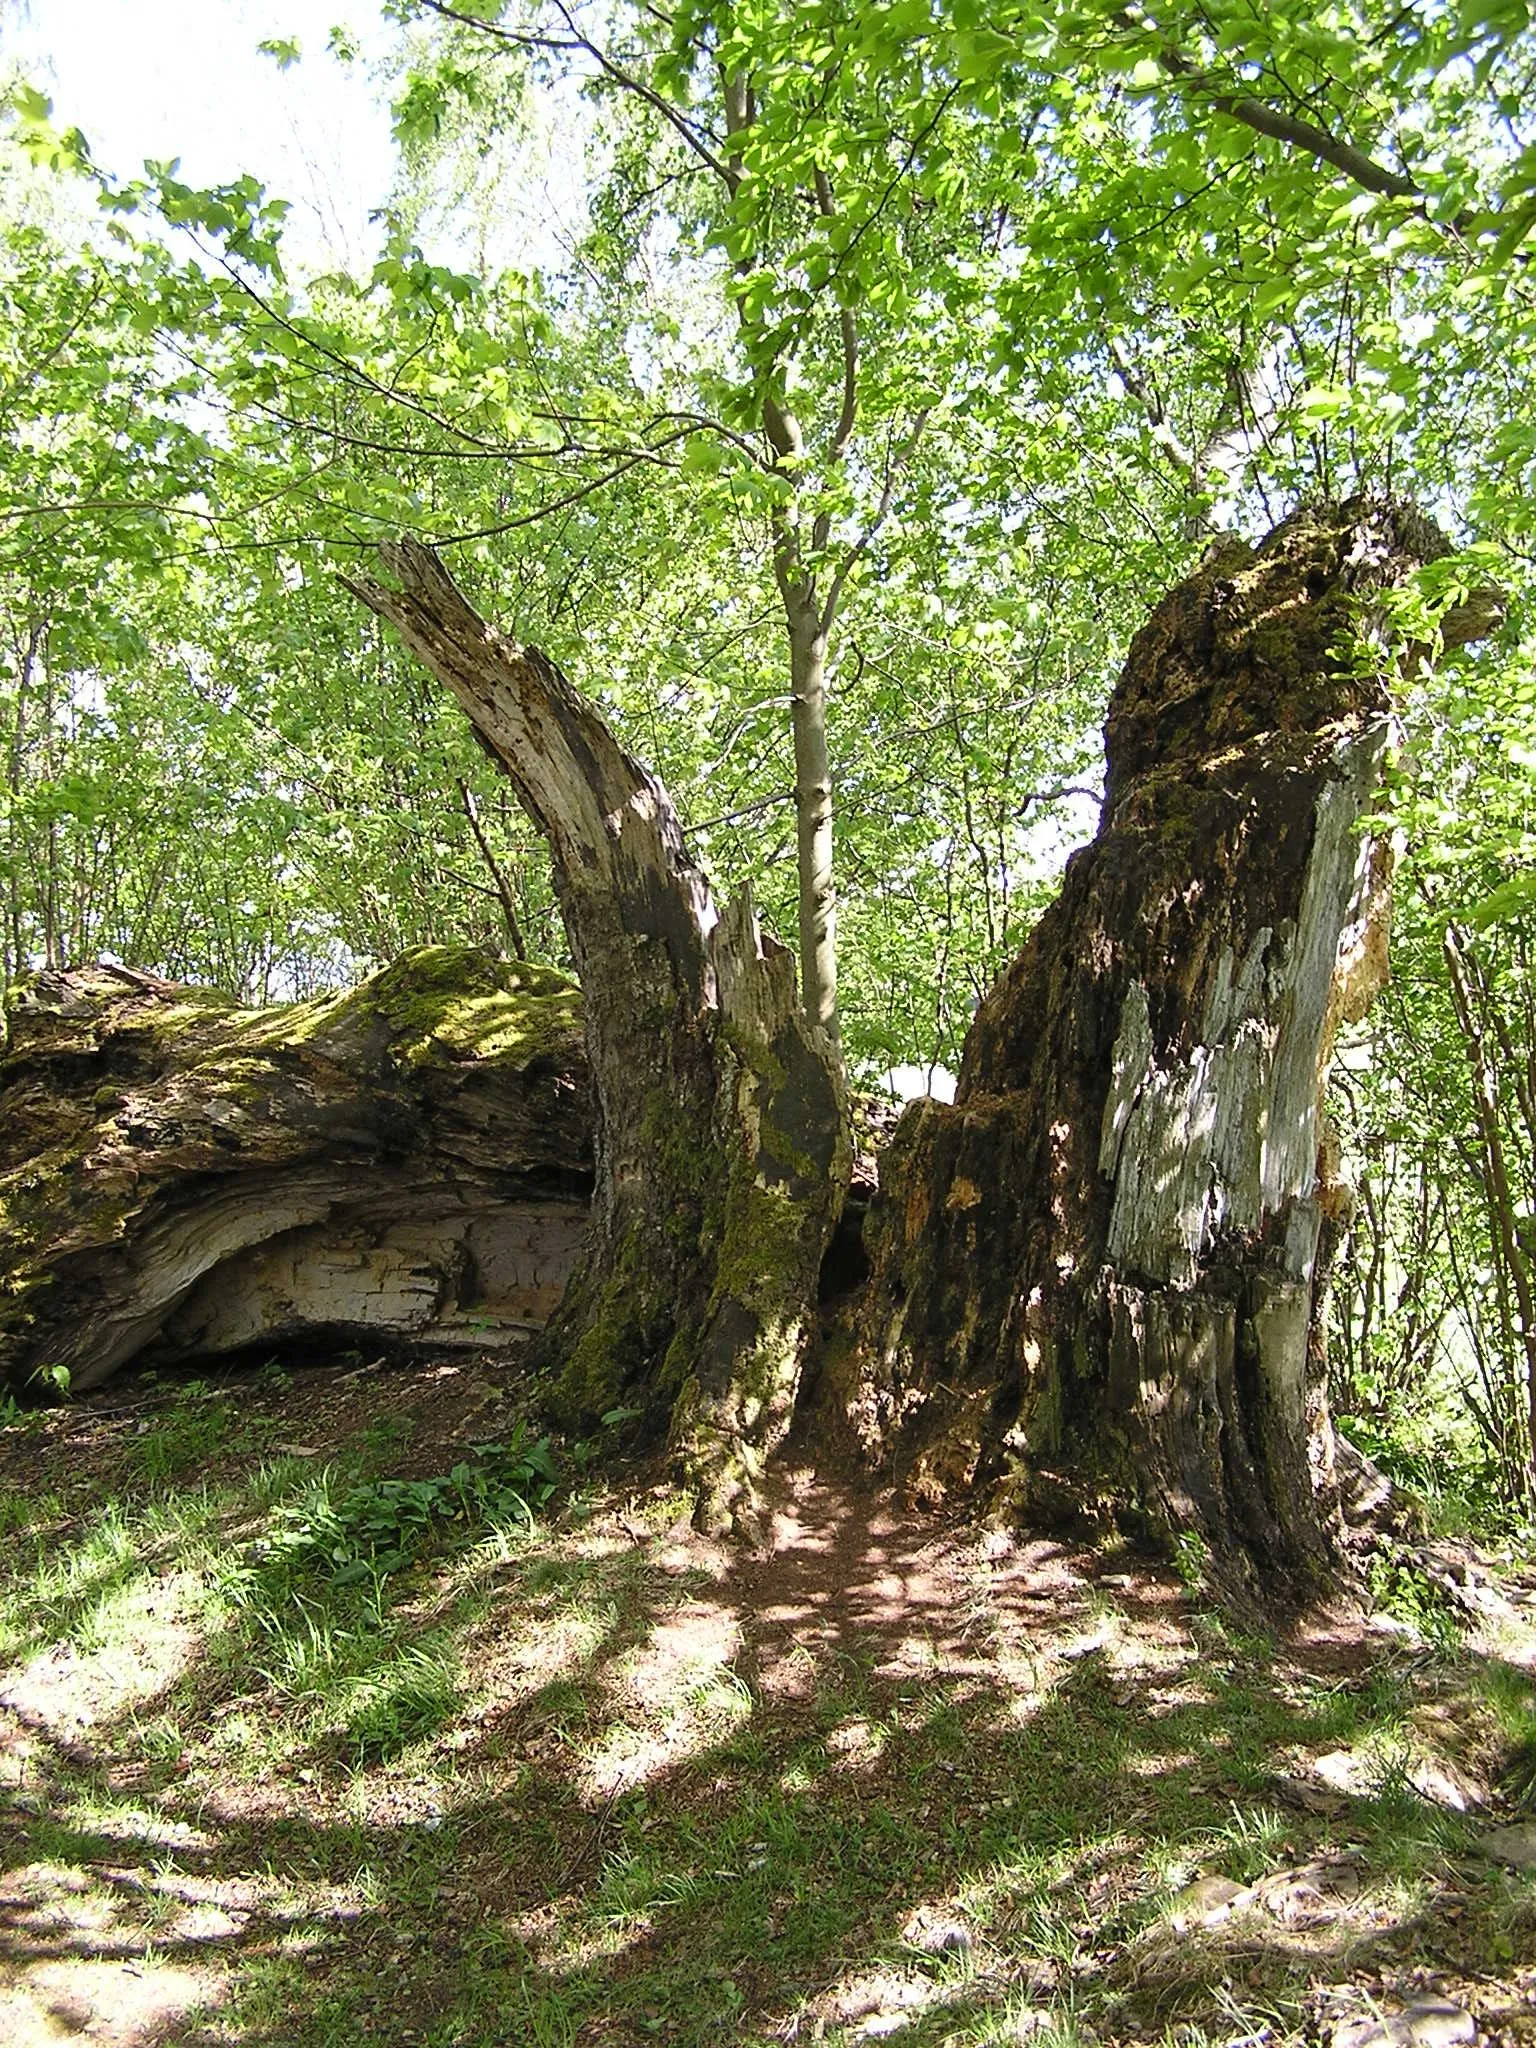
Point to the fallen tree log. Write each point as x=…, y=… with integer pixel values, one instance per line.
x=409, y=1162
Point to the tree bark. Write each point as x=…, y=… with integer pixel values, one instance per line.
x=813, y=815
x=1098, y=1276
x=722, y=1151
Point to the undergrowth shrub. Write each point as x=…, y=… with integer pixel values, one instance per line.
x=376, y=1526
x=1402, y=1588
x=1447, y=1471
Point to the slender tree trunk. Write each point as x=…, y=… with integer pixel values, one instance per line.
x=722, y=1152
x=498, y=876
x=1502, y=1219
x=26, y=665
x=53, y=950
x=1097, y=1276
x=813, y=806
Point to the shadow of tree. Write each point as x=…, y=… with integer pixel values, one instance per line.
x=870, y=1780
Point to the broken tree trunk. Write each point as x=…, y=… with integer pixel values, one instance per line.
x=1098, y=1276
x=722, y=1151
x=406, y=1164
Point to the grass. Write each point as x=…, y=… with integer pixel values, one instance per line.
x=574, y=1777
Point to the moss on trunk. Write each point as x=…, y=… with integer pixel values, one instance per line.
x=1096, y=1275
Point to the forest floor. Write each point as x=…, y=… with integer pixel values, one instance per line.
x=285, y=1762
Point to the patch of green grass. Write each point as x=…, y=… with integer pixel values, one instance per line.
x=382, y=1438
x=277, y=1479
x=1510, y=1691
x=64, y=1591
x=198, y=1424
x=400, y=1704
x=22, y=1510
x=375, y=1527
x=403, y=1768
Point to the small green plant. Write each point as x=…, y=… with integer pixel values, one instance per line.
x=1191, y=1560
x=50, y=1381
x=385, y=1435
x=588, y=1449
x=375, y=1528
x=20, y=1510
x=1402, y=1588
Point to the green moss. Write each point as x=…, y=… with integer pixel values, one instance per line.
x=763, y=1248
x=1041, y=1421
x=690, y=1168
x=192, y=1006
x=592, y=1378
x=1273, y=641
x=436, y=1003
x=754, y=1053
x=48, y=1188
x=454, y=1000
x=667, y=1136
x=677, y=1365
x=244, y=1080
x=764, y=1258
x=609, y=1352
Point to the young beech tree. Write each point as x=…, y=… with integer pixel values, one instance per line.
x=781, y=159
x=912, y=210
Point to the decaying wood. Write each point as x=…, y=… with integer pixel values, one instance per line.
x=722, y=1149
x=409, y=1162
x=1098, y=1276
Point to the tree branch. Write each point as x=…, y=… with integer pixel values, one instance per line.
x=1148, y=398
x=896, y=463
x=503, y=886
x=1356, y=164
x=641, y=90
x=849, y=329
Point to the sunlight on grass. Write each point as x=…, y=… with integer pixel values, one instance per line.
x=145, y=1999
x=568, y=1780
x=671, y=1697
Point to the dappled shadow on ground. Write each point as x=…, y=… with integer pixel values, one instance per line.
x=875, y=1778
